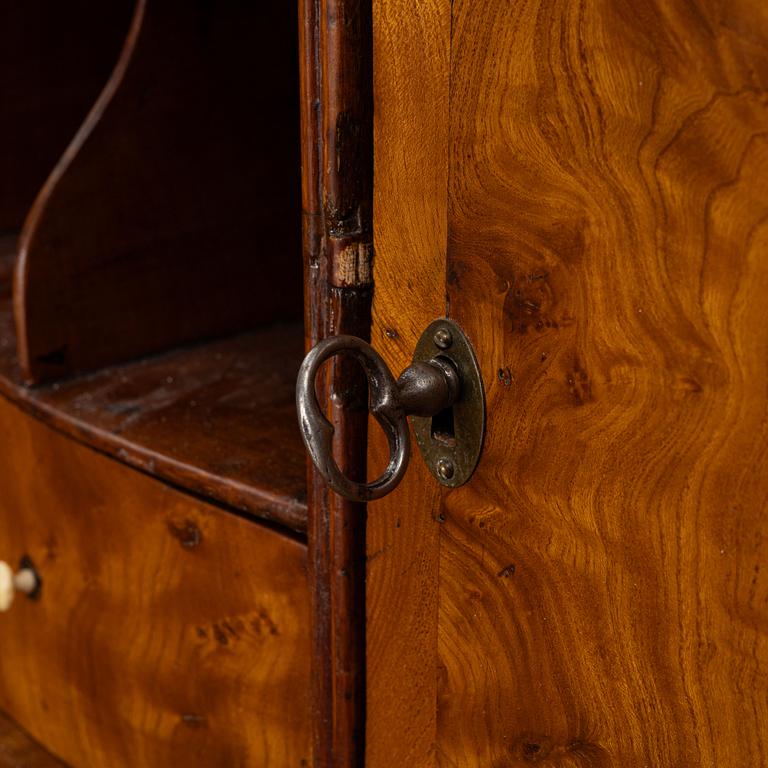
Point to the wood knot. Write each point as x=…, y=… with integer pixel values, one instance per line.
x=537, y=748
x=188, y=534
x=194, y=721
x=531, y=748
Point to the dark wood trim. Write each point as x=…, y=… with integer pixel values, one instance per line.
x=337, y=114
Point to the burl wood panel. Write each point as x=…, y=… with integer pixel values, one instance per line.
x=411, y=53
x=175, y=210
x=167, y=632
x=602, y=590
x=54, y=60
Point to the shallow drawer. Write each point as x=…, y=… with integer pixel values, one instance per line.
x=167, y=632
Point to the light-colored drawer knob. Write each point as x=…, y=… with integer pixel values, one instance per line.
x=24, y=580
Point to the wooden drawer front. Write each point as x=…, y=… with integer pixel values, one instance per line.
x=167, y=633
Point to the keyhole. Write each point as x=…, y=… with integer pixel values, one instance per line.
x=442, y=428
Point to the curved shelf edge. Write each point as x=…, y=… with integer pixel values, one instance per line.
x=227, y=432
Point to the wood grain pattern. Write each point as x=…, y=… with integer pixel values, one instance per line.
x=175, y=210
x=601, y=588
x=167, y=632
x=410, y=217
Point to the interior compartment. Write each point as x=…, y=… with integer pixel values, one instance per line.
x=168, y=220
x=174, y=214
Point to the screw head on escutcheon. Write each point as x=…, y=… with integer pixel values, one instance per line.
x=445, y=468
x=451, y=441
x=443, y=338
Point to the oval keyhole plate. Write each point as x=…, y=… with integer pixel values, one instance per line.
x=451, y=441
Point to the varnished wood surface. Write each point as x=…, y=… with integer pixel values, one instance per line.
x=597, y=592
x=175, y=212
x=410, y=216
x=17, y=750
x=166, y=632
x=54, y=60
x=337, y=168
x=217, y=419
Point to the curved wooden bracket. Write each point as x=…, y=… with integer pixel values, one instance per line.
x=174, y=211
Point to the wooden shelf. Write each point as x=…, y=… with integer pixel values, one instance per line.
x=217, y=419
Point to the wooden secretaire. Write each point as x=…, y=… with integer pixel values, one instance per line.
x=522, y=251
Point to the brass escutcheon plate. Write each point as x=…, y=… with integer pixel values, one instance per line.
x=451, y=447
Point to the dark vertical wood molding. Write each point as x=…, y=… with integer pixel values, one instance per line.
x=337, y=115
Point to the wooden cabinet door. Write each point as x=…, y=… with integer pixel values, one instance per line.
x=583, y=187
